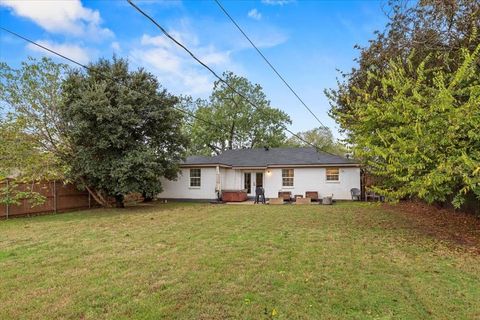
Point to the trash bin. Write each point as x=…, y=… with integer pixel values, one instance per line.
x=327, y=200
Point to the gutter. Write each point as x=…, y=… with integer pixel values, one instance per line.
x=323, y=165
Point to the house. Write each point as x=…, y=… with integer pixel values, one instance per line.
x=275, y=169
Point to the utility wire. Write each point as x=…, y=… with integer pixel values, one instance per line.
x=268, y=62
x=210, y=69
x=101, y=73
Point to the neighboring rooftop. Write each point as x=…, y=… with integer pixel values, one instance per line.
x=261, y=157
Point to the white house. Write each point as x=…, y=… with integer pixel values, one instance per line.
x=297, y=170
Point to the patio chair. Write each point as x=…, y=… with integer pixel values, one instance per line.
x=312, y=195
x=285, y=195
x=356, y=194
x=372, y=195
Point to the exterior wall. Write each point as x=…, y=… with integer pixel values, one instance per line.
x=305, y=179
x=231, y=179
x=180, y=188
x=314, y=179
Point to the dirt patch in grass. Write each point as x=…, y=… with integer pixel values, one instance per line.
x=458, y=228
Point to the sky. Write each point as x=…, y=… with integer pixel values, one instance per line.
x=307, y=41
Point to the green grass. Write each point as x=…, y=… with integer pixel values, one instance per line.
x=200, y=261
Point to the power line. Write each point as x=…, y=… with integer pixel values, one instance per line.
x=268, y=62
x=210, y=69
x=98, y=72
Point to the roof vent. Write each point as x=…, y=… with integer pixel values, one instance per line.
x=266, y=148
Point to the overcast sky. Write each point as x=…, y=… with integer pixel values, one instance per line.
x=306, y=40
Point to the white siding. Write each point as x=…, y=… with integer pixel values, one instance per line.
x=232, y=179
x=313, y=179
x=305, y=179
x=180, y=189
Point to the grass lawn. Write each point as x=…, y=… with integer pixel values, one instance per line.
x=201, y=261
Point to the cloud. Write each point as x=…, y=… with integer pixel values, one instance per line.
x=175, y=69
x=277, y=2
x=72, y=51
x=267, y=37
x=255, y=14
x=115, y=46
x=66, y=17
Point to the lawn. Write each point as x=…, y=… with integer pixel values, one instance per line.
x=201, y=261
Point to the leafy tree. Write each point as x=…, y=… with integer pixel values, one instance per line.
x=33, y=93
x=424, y=141
x=410, y=108
x=21, y=161
x=238, y=123
x=442, y=27
x=321, y=137
x=124, y=133
x=32, y=146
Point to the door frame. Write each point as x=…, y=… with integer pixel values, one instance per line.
x=253, y=180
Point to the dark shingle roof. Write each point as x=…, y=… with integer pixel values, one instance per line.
x=274, y=156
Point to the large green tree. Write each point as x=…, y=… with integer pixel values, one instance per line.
x=415, y=31
x=125, y=134
x=238, y=124
x=22, y=160
x=33, y=94
x=424, y=141
x=321, y=137
x=32, y=145
x=411, y=106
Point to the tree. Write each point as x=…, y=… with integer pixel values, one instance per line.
x=34, y=94
x=410, y=108
x=21, y=161
x=321, y=137
x=238, y=123
x=123, y=131
x=427, y=27
x=424, y=141
x=32, y=145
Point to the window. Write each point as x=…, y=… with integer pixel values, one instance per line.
x=287, y=177
x=247, y=184
x=195, y=177
x=333, y=174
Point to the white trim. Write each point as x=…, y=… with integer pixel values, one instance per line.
x=286, y=166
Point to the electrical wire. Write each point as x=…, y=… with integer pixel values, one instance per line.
x=210, y=69
x=100, y=73
x=269, y=63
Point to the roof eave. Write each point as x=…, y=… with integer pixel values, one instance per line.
x=196, y=165
x=315, y=165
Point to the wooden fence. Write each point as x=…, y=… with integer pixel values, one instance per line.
x=59, y=197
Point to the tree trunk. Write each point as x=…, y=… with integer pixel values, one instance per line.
x=146, y=197
x=119, y=201
x=100, y=200
x=232, y=136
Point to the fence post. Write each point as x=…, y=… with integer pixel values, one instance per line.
x=54, y=196
x=89, y=201
x=7, y=207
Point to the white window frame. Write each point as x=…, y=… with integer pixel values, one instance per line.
x=195, y=178
x=288, y=178
x=329, y=176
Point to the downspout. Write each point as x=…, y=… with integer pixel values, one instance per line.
x=218, y=185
